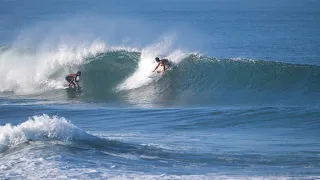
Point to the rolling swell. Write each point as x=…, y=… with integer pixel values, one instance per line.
x=54, y=132
x=198, y=79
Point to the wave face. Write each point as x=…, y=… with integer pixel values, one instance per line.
x=196, y=79
x=122, y=74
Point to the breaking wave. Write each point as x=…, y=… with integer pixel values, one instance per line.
x=121, y=73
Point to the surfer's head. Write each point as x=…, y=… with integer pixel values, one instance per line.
x=157, y=59
x=79, y=73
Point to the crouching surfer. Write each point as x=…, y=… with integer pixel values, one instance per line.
x=73, y=79
x=165, y=63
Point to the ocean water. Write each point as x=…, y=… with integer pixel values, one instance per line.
x=240, y=102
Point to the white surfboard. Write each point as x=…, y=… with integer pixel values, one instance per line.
x=71, y=89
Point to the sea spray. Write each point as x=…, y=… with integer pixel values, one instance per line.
x=147, y=63
x=30, y=72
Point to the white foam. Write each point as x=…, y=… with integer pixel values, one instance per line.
x=26, y=72
x=54, y=172
x=38, y=128
x=147, y=63
x=243, y=59
x=203, y=177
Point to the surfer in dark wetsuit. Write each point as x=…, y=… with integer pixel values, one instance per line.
x=162, y=62
x=71, y=78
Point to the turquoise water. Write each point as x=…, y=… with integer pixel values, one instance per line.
x=241, y=101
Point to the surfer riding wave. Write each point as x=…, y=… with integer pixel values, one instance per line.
x=165, y=63
x=73, y=80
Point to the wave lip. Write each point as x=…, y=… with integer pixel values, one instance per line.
x=39, y=128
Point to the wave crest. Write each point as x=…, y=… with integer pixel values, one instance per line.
x=39, y=128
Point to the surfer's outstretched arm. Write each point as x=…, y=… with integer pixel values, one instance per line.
x=156, y=67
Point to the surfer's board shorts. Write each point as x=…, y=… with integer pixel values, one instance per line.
x=168, y=64
x=69, y=78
